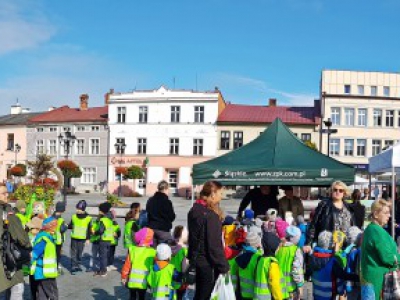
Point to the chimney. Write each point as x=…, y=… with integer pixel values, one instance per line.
x=84, y=101
x=16, y=109
x=272, y=102
x=107, y=96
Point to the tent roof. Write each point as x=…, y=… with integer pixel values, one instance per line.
x=276, y=157
x=383, y=162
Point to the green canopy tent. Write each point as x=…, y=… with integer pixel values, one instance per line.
x=276, y=157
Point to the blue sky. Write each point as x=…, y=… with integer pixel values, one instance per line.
x=52, y=51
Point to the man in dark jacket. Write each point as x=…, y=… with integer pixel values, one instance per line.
x=14, y=288
x=261, y=199
x=160, y=214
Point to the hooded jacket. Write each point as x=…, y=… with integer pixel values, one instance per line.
x=160, y=212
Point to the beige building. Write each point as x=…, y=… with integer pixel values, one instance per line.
x=364, y=107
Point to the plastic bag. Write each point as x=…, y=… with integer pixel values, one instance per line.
x=223, y=289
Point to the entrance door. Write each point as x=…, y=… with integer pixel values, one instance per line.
x=173, y=182
x=140, y=186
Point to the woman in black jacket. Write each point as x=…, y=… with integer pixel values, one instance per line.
x=331, y=214
x=205, y=239
x=358, y=208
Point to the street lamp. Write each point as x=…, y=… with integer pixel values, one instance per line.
x=120, y=148
x=67, y=140
x=17, y=149
x=329, y=131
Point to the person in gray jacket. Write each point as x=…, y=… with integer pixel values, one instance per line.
x=11, y=288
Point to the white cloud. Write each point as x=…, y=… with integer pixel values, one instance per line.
x=20, y=30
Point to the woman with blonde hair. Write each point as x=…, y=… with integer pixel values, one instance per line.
x=333, y=214
x=206, y=250
x=378, y=252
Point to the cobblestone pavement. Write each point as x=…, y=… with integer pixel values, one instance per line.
x=83, y=285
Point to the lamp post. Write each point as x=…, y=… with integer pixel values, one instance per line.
x=66, y=140
x=329, y=131
x=120, y=148
x=17, y=149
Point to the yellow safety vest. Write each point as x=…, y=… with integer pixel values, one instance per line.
x=59, y=237
x=245, y=277
x=108, y=234
x=285, y=257
x=116, y=228
x=80, y=227
x=261, y=286
x=142, y=260
x=160, y=283
x=49, y=259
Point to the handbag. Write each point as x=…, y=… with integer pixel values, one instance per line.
x=223, y=288
x=391, y=284
x=189, y=276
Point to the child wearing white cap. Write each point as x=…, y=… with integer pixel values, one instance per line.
x=162, y=274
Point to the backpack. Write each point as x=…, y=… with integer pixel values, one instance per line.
x=14, y=256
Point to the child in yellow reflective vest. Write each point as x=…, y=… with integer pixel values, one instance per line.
x=20, y=212
x=95, y=240
x=60, y=231
x=179, y=258
x=80, y=233
x=138, y=263
x=114, y=242
x=162, y=274
x=291, y=262
x=131, y=224
x=34, y=227
x=44, y=263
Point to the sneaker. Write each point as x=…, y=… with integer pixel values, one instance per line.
x=96, y=273
x=103, y=274
x=112, y=268
x=73, y=272
x=79, y=269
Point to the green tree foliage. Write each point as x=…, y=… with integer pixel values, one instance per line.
x=134, y=172
x=41, y=167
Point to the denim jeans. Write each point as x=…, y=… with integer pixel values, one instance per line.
x=16, y=292
x=104, y=250
x=95, y=262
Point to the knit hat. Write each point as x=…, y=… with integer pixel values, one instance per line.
x=325, y=239
x=105, y=207
x=270, y=243
x=271, y=214
x=163, y=252
x=253, y=239
x=293, y=234
x=281, y=226
x=49, y=224
x=20, y=205
x=38, y=208
x=144, y=237
x=60, y=206
x=249, y=214
x=353, y=235
x=35, y=223
x=228, y=220
x=81, y=205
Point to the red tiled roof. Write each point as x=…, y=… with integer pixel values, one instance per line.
x=267, y=114
x=65, y=114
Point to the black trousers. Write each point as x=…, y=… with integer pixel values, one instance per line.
x=205, y=281
x=111, y=255
x=76, y=252
x=45, y=289
x=137, y=294
x=103, y=253
x=58, y=252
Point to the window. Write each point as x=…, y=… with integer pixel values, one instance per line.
x=95, y=146
x=197, y=146
x=362, y=117
x=361, y=147
x=80, y=128
x=121, y=114
x=173, y=181
x=306, y=137
x=334, y=147
x=65, y=129
x=10, y=141
x=335, y=115
x=386, y=91
x=361, y=90
x=348, y=147
x=349, y=116
x=374, y=90
x=39, y=129
x=52, y=147
x=377, y=117
x=347, y=89
x=237, y=139
x=96, y=128
x=80, y=146
x=89, y=175
x=119, y=150
x=39, y=147
x=388, y=144
x=53, y=129
x=174, y=146
x=175, y=114
x=389, y=118
x=142, y=114
x=376, y=147
x=199, y=114
x=142, y=145
x=225, y=139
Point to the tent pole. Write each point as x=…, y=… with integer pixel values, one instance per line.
x=193, y=191
x=393, y=200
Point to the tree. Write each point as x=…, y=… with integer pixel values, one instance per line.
x=41, y=167
x=311, y=145
x=134, y=172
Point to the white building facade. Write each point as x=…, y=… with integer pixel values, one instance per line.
x=165, y=132
x=364, y=107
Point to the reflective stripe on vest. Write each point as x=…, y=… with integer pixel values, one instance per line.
x=108, y=234
x=80, y=227
x=322, y=282
x=49, y=259
x=59, y=237
x=246, y=277
x=142, y=259
x=285, y=257
x=160, y=283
